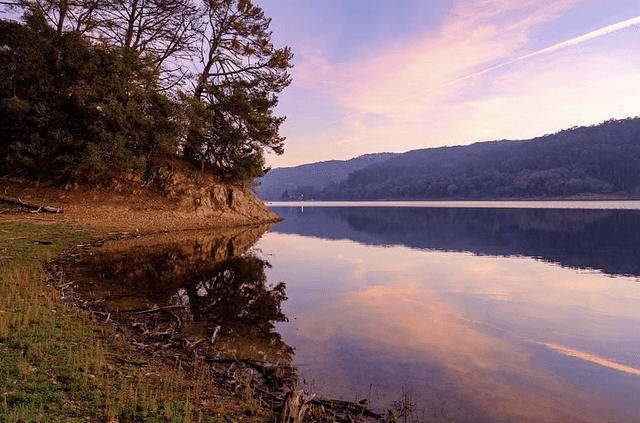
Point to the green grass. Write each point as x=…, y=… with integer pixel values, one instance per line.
x=57, y=364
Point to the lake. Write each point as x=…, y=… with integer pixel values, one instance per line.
x=480, y=313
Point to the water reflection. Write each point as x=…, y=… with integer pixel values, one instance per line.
x=457, y=308
x=201, y=281
x=445, y=304
x=607, y=240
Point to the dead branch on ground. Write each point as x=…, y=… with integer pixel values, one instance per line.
x=36, y=207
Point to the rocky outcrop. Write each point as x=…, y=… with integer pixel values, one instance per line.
x=202, y=195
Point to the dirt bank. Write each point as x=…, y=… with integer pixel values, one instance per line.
x=172, y=195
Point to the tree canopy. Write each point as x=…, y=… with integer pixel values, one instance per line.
x=102, y=85
x=231, y=109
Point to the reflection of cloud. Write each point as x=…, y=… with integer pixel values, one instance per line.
x=582, y=355
x=412, y=319
x=439, y=310
x=486, y=370
x=417, y=320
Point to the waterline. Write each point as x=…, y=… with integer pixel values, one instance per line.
x=577, y=205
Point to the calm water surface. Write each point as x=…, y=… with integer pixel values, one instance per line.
x=487, y=314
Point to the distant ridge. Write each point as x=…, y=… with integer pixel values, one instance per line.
x=597, y=161
x=308, y=179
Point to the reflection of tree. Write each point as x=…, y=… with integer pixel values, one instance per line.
x=234, y=295
x=598, y=239
x=216, y=288
x=235, y=292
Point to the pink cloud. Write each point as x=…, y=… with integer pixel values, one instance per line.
x=473, y=79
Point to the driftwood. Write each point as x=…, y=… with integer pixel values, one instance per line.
x=215, y=334
x=341, y=410
x=192, y=345
x=296, y=404
x=357, y=408
x=36, y=207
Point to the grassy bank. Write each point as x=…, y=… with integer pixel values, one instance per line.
x=58, y=364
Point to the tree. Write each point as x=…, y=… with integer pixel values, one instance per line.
x=165, y=31
x=91, y=82
x=39, y=119
x=68, y=108
x=63, y=15
x=136, y=120
x=231, y=121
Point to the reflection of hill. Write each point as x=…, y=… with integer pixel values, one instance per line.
x=202, y=280
x=596, y=239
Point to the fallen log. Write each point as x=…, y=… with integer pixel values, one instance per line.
x=346, y=408
x=36, y=207
x=153, y=310
x=358, y=408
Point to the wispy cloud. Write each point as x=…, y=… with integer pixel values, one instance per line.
x=565, y=44
x=472, y=79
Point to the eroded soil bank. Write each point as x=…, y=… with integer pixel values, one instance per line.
x=171, y=196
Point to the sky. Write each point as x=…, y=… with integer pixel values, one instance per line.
x=397, y=75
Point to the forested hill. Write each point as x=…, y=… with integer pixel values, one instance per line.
x=602, y=159
x=307, y=181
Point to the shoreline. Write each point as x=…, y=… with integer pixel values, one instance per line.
x=244, y=389
x=612, y=204
x=95, y=217
x=188, y=201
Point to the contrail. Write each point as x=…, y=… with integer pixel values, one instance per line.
x=572, y=42
x=589, y=36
